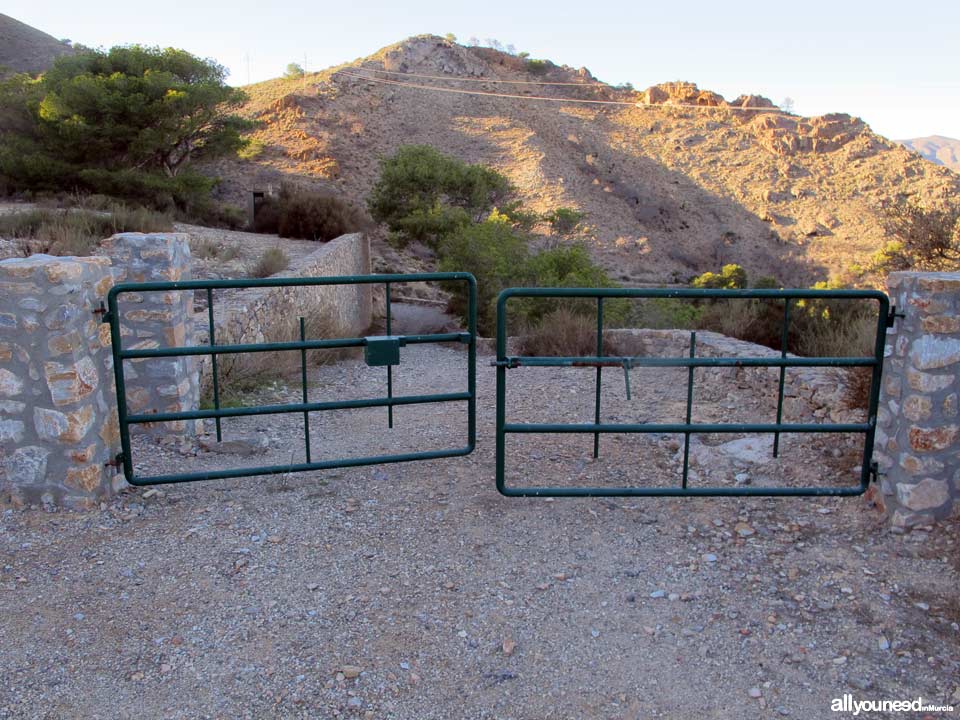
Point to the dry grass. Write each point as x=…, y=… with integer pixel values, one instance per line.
x=561, y=332
x=76, y=232
x=244, y=374
x=565, y=333
x=272, y=261
x=208, y=249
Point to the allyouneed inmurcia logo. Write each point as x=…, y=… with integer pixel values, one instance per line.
x=849, y=705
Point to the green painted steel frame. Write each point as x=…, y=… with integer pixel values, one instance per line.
x=127, y=419
x=868, y=428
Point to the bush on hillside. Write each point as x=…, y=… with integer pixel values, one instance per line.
x=924, y=239
x=565, y=221
x=730, y=277
x=424, y=195
x=308, y=215
x=496, y=255
x=538, y=67
x=568, y=266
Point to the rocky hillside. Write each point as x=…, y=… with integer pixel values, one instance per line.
x=675, y=180
x=937, y=149
x=24, y=49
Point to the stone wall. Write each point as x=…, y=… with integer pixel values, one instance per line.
x=918, y=436
x=271, y=314
x=810, y=393
x=58, y=424
x=155, y=320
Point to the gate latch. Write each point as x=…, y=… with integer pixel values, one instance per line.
x=892, y=317
x=382, y=350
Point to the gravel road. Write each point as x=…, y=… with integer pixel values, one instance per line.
x=416, y=591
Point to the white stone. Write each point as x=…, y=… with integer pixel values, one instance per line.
x=10, y=384
x=927, y=494
x=931, y=352
x=11, y=430
x=26, y=465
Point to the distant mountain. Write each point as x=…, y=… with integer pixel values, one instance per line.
x=937, y=149
x=24, y=49
x=674, y=180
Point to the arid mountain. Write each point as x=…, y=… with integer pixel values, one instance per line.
x=675, y=180
x=24, y=49
x=937, y=149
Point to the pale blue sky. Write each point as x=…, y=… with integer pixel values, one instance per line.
x=896, y=64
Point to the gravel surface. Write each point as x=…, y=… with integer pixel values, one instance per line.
x=416, y=591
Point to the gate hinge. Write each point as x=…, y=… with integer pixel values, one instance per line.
x=116, y=463
x=102, y=312
x=893, y=315
x=875, y=472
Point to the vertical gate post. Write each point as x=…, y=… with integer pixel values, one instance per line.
x=58, y=427
x=918, y=435
x=158, y=320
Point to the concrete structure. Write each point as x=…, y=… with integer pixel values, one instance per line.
x=271, y=314
x=918, y=436
x=154, y=320
x=58, y=425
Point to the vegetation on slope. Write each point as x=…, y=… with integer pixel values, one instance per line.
x=127, y=122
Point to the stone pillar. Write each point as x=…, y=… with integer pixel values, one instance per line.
x=155, y=320
x=58, y=423
x=918, y=431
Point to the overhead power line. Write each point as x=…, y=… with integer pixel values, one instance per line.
x=482, y=80
x=542, y=98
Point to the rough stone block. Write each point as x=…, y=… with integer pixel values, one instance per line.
x=56, y=384
x=930, y=352
x=923, y=421
x=928, y=494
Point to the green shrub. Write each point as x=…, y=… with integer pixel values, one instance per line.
x=730, y=277
x=254, y=148
x=767, y=282
x=568, y=267
x=308, y=215
x=665, y=314
x=538, y=67
x=127, y=122
x=565, y=221
x=425, y=195
x=496, y=255
x=294, y=71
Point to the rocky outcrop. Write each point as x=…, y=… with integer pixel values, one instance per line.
x=786, y=135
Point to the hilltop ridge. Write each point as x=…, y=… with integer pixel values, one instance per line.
x=24, y=49
x=937, y=149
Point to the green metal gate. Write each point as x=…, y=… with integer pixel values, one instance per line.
x=379, y=351
x=506, y=362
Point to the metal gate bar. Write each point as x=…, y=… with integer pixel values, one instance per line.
x=121, y=354
x=505, y=362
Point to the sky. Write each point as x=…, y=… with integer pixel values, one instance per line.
x=895, y=64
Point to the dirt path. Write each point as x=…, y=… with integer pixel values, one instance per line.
x=264, y=597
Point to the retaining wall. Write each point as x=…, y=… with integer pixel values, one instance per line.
x=271, y=314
